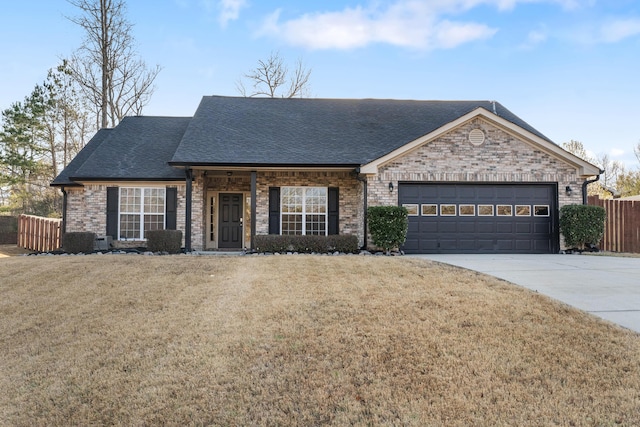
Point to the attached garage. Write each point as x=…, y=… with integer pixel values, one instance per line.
x=480, y=217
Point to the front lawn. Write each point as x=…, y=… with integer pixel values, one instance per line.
x=299, y=340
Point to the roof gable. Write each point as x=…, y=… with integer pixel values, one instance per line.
x=525, y=134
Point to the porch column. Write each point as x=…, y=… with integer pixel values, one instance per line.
x=187, y=211
x=253, y=208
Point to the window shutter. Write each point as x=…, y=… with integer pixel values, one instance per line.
x=333, y=211
x=112, y=212
x=274, y=210
x=171, y=213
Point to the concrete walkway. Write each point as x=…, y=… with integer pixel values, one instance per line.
x=608, y=287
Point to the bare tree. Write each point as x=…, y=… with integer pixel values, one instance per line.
x=611, y=168
x=577, y=148
x=272, y=78
x=115, y=81
x=636, y=151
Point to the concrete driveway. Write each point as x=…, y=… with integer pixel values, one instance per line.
x=608, y=287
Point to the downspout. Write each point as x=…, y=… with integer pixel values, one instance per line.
x=64, y=210
x=364, y=183
x=187, y=209
x=584, y=187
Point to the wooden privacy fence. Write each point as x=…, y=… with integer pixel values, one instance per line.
x=39, y=234
x=622, y=227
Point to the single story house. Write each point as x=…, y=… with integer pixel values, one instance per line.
x=474, y=177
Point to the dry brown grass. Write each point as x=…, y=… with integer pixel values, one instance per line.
x=299, y=340
x=12, y=250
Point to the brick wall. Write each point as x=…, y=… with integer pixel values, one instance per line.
x=350, y=196
x=450, y=158
x=86, y=209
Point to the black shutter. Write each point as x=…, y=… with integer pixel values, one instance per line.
x=274, y=210
x=112, y=212
x=333, y=211
x=171, y=213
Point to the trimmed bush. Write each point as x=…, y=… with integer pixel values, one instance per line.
x=79, y=241
x=306, y=244
x=582, y=225
x=388, y=226
x=164, y=241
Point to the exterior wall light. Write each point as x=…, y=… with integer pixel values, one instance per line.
x=390, y=187
x=568, y=190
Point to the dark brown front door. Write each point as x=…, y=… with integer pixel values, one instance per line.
x=230, y=221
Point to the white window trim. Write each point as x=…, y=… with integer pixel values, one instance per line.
x=141, y=212
x=304, y=209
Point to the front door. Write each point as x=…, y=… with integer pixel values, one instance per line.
x=230, y=221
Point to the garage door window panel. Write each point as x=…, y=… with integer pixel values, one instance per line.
x=467, y=210
x=541, y=210
x=429, y=210
x=412, y=208
x=504, y=210
x=448, y=210
x=485, y=210
x=523, y=210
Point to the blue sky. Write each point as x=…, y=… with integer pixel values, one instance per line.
x=570, y=68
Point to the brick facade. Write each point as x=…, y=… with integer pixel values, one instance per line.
x=87, y=210
x=449, y=158
x=452, y=158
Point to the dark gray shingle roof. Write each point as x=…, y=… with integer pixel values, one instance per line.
x=137, y=149
x=276, y=131
x=264, y=131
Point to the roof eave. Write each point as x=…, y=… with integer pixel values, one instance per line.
x=263, y=166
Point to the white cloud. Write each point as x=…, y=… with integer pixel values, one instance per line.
x=405, y=23
x=619, y=29
x=230, y=10
x=534, y=38
x=616, y=152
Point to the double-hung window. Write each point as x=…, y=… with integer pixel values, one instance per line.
x=303, y=210
x=141, y=210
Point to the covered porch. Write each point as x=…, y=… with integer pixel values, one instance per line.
x=226, y=207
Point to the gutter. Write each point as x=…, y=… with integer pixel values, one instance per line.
x=587, y=182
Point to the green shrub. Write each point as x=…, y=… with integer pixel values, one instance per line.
x=77, y=242
x=388, y=226
x=164, y=241
x=582, y=225
x=306, y=244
